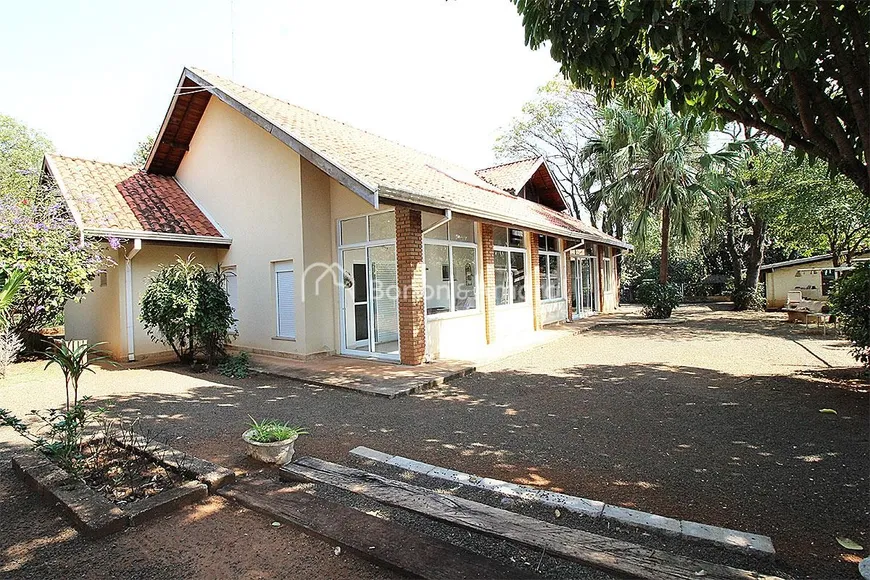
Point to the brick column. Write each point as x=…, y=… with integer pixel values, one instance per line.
x=488, y=255
x=411, y=282
x=569, y=280
x=536, y=282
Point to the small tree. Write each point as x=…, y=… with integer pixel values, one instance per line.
x=73, y=362
x=187, y=307
x=143, y=150
x=850, y=302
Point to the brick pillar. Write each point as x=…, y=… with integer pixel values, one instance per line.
x=411, y=282
x=569, y=281
x=488, y=280
x=536, y=282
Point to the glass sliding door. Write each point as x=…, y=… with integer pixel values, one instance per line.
x=583, y=285
x=384, y=303
x=370, y=299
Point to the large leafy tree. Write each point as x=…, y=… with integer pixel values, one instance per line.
x=21, y=153
x=808, y=210
x=556, y=125
x=655, y=171
x=37, y=234
x=795, y=70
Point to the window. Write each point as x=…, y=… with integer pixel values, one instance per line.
x=828, y=278
x=232, y=286
x=377, y=226
x=104, y=279
x=607, y=283
x=548, y=264
x=450, y=255
x=285, y=291
x=510, y=266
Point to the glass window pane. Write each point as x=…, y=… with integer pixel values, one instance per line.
x=555, y=277
x=542, y=268
x=353, y=231
x=553, y=244
x=542, y=242
x=385, y=299
x=518, y=274
x=430, y=219
x=516, y=239
x=436, y=258
x=464, y=278
x=461, y=230
x=499, y=237
x=382, y=226
x=502, y=279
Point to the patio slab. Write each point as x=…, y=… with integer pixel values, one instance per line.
x=387, y=379
x=370, y=377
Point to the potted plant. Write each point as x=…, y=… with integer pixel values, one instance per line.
x=271, y=441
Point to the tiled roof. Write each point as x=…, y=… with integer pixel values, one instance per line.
x=394, y=171
x=122, y=198
x=511, y=176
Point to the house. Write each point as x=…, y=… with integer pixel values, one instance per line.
x=812, y=276
x=334, y=240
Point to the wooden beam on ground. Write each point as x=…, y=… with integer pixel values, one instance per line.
x=383, y=542
x=584, y=547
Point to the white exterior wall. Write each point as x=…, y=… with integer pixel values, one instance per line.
x=250, y=184
x=96, y=317
x=143, y=265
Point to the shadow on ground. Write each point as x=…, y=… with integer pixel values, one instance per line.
x=747, y=453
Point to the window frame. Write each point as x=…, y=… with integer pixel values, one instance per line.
x=227, y=271
x=545, y=274
x=450, y=244
x=282, y=267
x=606, y=272
x=508, y=250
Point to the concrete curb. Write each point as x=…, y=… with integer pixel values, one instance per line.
x=753, y=544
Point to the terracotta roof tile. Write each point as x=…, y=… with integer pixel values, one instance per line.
x=123, y=197
x=511, y=176
x=402, y=173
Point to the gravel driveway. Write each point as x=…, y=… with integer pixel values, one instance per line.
x=716, y=420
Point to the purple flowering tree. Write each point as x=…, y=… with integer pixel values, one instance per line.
x=38, y=235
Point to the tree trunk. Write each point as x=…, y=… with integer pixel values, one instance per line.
x=731, y=243
x=666, y=234
x=755, y=254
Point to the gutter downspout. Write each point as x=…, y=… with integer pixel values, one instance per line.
x=448, y=215
x=567, y=262
x=128, y=283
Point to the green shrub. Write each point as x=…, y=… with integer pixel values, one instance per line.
x=749, y=299
x=658, y=299
x=187, y=307
x=237, y=367
x=850, y=303
x=270, y=431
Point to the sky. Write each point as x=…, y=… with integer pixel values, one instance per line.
x=442, y=76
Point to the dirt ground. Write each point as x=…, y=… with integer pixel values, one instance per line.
x=716, y=420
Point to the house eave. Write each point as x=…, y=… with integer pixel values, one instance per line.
x=366, y=191
x=424, y=201
x=157, y=236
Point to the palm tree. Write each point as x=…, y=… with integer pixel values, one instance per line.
x=653, y=166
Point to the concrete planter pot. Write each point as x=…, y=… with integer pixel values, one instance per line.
x=279, y=452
